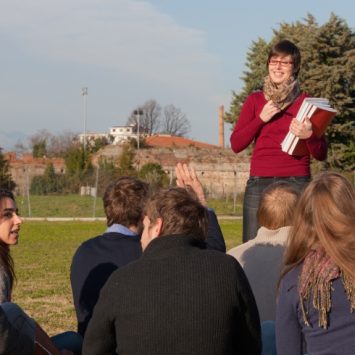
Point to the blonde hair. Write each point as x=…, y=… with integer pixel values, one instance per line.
x=277, y=205
x=325, y=216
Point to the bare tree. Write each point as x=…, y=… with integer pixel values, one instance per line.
x=174, y=122
x=149, y=121
x=59, y=144
x=54, y=145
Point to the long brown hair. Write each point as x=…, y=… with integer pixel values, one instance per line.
x=325, y=216
x=6, y=260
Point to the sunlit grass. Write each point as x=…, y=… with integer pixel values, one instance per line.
x=86, y=206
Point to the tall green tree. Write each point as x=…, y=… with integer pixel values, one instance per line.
x=328, y=70
x=125, y=161
x=48, y=183
x=39, y=149
x=6, y=181
x=79, y=170
x=154, y=175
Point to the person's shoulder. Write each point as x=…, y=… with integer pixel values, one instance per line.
x=256, y=95
x=238, y=251
x=86, y=248
x=88, y=244
x=290, y=280
x=225, y=261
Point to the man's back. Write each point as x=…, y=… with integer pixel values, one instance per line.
x=176, y=299
x=93, y=263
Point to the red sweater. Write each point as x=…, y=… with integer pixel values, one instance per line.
x=268, y=159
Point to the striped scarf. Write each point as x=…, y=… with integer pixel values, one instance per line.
x=315, y=283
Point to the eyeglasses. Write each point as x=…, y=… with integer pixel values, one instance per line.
x=283, y=63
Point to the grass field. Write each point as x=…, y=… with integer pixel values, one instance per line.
x=84, y=206
x=42, y=263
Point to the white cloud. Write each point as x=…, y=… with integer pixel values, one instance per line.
x=125, y=35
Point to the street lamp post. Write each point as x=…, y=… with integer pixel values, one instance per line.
x=84, y=93
x=138, y=113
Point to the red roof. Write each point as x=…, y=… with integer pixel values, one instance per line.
x=163, y=141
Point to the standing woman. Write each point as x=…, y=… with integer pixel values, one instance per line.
x=10, y=224
x=316, y=302
x=265, y=119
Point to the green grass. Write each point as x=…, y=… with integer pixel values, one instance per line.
x=59, y=206
x=42, y=264
x=83, y=206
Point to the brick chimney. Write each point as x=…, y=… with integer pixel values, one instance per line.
x=221, y=126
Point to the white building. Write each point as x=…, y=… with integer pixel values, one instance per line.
x=122, y=133
x=116, y=135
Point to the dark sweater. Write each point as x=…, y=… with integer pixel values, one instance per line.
x=92, y=264
x=97, y=258
x=176, y=299
x=337, y=339
x=268, y=159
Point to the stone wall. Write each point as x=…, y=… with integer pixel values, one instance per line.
x=24, y=168
x=222, y=172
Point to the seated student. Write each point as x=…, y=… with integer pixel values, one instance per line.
x=97, y=258
x=178, y=298
x=316, y=301
x=261, y=257
x=10, y=226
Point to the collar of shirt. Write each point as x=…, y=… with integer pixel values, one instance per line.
x=119, y=228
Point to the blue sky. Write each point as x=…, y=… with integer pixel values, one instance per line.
x=187, y=53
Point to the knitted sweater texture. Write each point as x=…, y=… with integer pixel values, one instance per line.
x=261, y=260
x=176, y=299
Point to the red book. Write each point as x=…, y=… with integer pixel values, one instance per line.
x=320, y=114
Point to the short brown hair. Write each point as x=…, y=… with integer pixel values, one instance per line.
x=180, y=211
x=284, y=48
x=124, y=201
x=277, y=205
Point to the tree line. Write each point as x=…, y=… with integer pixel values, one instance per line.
x=79, y=169
x=327, y=70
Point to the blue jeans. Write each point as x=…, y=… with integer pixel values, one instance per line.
x=268, y=337
x=68, y=340
x=254, y=189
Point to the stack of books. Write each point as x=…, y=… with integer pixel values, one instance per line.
x=320, y=113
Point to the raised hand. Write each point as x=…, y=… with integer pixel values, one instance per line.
x=186, y=177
